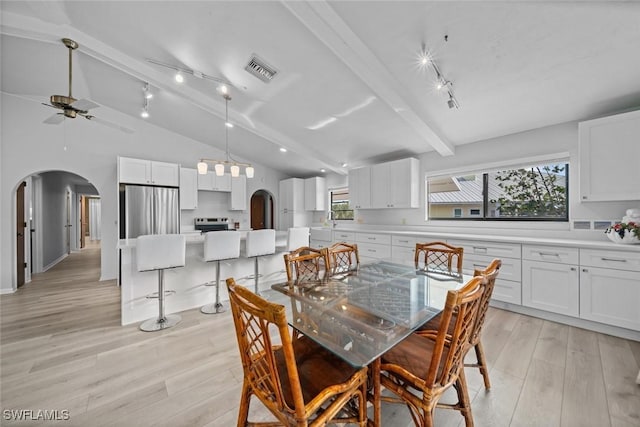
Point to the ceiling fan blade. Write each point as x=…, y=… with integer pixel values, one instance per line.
x=84, y=105
x=55, y=119
x=108, y=123
x=48, y=105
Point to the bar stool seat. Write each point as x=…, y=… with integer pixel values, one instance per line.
x=297, y=237
x=159, y=252
x=218, y=246
x=260, y=243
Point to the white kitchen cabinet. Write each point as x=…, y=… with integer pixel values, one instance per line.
x=291, y=207
x=479, y=254
x=344, y=236
x=188, y=188
x=315, y=194
x=239, y=193
x=609, y=153
x=140, y=171
x=610, y=287
x=551, y=287
x=360, y=188
x=211, y=182
x=395, y=184
x=320, y=238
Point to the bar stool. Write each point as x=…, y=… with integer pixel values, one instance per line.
x=219, y=245
x=260, y=243
x=160, y=252
x=297, y=237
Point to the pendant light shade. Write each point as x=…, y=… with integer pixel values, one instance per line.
x=219, y=165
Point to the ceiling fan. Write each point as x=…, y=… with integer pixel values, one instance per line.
x=71, y=107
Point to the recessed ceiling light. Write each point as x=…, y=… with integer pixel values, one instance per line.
x=144, y=114
x=228, y=124
x=323, y=170
x=282, y=149
x=179, y=77
x=344, y=165
x=223, y=89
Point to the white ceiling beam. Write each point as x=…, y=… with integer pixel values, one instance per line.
x=35, y=29
x=331, y=30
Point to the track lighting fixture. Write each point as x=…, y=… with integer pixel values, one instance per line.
x=181, y=72
x=442, y=84
x=145, y=106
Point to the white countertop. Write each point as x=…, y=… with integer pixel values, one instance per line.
x=195, y=237
x=586, y=244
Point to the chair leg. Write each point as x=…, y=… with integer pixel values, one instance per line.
x=245, y=399
x=217, y=307
x=463, y=399
x=482, y=364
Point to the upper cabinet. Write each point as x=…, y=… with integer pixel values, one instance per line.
x=609, y=153
x=239, y=193
x=291, y=195
x=360, y=188
x=211, y=182
x=391, y=185
x=315, y=194
x=188, y=188
x=139, y=171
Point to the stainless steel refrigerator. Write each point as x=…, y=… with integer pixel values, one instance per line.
x=148, y=210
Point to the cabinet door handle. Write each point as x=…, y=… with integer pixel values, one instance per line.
x=549, y=254
x=613, y=259
x=403, y=241
x=584, y=270
x=480, y=249
x=573, y=269
x=371, y=238
x=371, y=250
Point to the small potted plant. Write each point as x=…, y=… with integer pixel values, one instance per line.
x=624, y=232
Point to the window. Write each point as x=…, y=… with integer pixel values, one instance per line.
x=340, y=209
x=528, y=193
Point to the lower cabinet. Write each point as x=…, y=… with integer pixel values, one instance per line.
x=550, y=287
x=610, y=295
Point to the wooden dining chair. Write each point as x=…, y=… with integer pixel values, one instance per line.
x=424, y=365
x=343, y=257
x=439, y=256
x=300, y=382
x=490, y=273
x=305, y=262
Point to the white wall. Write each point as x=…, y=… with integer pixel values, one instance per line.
x=54, y=216
x=90, y=150
x=538, y=142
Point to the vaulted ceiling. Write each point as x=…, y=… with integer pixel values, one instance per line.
x=348, y=87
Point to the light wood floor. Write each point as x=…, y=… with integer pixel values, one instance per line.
x=62, y=347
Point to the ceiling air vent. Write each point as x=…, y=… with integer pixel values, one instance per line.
x=260, y=69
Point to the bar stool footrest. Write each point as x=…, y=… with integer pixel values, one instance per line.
x=213, y=308
x=167, y=293
x=153, y=325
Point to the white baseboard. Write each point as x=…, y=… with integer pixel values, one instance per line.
x=571, y=321
x=52, y=264
x=7, y=291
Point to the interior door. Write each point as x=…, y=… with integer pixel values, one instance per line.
x=83, y=220
x=257, y=211
x=20, y=230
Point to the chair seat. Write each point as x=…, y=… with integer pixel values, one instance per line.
x=318, y=369
x=412, y=354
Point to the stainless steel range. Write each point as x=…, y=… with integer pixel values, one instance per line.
x=211, y=224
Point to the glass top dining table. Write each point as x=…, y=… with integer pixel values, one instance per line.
x=359, y=315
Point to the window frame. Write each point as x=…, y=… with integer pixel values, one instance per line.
x=484, y=173
x=343, y=190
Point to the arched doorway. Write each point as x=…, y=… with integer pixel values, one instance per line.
x=49, y=213
x=261, y=210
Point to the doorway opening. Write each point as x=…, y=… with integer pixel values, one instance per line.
x=261, y=210
x=51, y=220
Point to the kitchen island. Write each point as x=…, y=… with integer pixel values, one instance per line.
x=139, y=289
